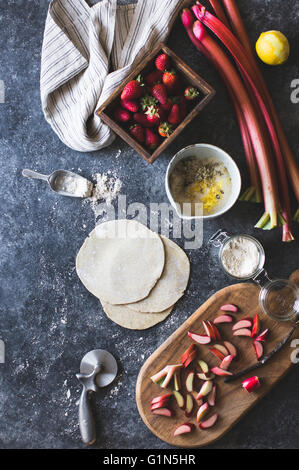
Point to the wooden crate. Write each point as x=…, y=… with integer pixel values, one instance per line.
x=187, y=75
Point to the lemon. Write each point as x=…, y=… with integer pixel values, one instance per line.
x=273, y=48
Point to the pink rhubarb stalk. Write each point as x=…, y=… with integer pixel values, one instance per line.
x=241, y=33
x=249, y=76
x=219, y=12
x=253, y=193
x=269, y=184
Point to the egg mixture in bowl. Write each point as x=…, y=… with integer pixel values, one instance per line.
x=203, y=174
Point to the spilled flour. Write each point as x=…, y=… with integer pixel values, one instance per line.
x=106, y=188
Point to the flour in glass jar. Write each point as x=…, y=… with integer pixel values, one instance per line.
x=240, y=257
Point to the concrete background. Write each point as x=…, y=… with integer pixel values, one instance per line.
x=47, y=318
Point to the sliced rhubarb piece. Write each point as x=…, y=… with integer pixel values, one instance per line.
x=259, y=349
x=205, y=389
x=159, y=382
x=262, y=336
x=177, y=380
x=179, y=399
x=229, y=308
x=189, y=405
x=204, y=366
x=184, y=429
x=212, y=396
x=245, y=323
x=159, y=376
x=217, y=353
x=208, y=423
x=231, y=348
x=209, y=330
x=221, y=372
x=163, y=412
x=198, y=402
x=223, y=319
x=162, y=398
x=190, y=381
x=160, y=404
x=188, y=352
x=216, y=331
x=256, y=326
x=243, y=332
x=167, y=372
x=202, y=411
x=251, y=384
x=226, y=362
x=171, y=370
x=201, y=339
x=190, y=358
x=222, y=349
x=203, y=376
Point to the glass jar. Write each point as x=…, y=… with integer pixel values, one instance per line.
x=278, y=298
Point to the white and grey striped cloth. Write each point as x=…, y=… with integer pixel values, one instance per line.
x=80, y=42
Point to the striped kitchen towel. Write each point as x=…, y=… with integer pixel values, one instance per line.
x=80, y=43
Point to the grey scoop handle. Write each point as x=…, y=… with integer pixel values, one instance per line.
x=86, y=418
x=35, y=175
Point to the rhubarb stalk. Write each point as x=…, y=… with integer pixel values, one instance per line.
x=253, y=193
x=221, y=61
x=219, y=12
x=293, y=170
x=240, y=31
x=249, y=75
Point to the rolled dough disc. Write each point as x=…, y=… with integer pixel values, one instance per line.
x=172, y=284
x=120, y=261
x=132, y=320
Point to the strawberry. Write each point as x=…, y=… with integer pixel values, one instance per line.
x=122, y=115
x=153, y=115
x=174, y=115
x=130, y=105
x=147, y=101
x=154, y=77
x=141, y=118
x=132, y=90
x=165, y=129
x=171, y=81
x=138, y=132
x=151, y=139
x=159, y=92
x=162, y=62
x=167, y=106
x=162, y=113
x=183, y=104
x=191, y=93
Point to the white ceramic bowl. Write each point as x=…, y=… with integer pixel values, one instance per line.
x=206, y=151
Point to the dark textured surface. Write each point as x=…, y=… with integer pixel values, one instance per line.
x=47, y=319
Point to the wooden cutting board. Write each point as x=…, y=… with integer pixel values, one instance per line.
x=232, y=400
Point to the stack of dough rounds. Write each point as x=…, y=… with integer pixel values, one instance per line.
x=137, y=275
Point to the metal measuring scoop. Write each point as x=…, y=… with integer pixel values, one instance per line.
x=56, y=179
x=98, y=369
